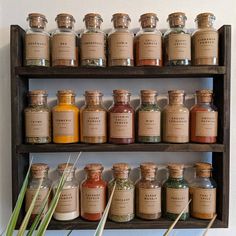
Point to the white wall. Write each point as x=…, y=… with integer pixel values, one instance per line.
x=15, y=12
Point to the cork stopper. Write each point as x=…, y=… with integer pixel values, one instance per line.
x=65, y=20
x=121, y=20
x=121, y=170
x=121, y=95
x=148, y=96
x=66, y=96
x=94, y=167
x=148, y=20
x=39, y=170
x=205, y=20
x=93, y=97
x=203, y=169
x=61, y=167
x=37, y=97
x=176, y=97
x=37, y=20
x=93, y=20
x=204, y=96
x=176, y=170
x=148, y=170
x=177, y=19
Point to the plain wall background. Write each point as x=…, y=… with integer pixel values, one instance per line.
x=15, y=12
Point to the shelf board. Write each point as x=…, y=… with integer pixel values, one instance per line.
x=136, y=147
x=120, y=72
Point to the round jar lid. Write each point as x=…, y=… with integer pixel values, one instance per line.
x=39, y=167
x=92, y=15
x=205, y=15
x=65, y=20
x=120, y=91
x=177, y=19
x=92, y=93
x=121, y=167
x=93, y=167
x=203, y=166
x=176, y=92
x=148, y=92
x=65, y=92
x=37, y=92
x=148, y=166
x=175, y=166
x=37, y=20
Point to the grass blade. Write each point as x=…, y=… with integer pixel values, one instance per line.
x=102, y=222
x=209, y=225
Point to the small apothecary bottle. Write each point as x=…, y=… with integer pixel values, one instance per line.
x=148, y=193
x=68, y=203
x=203, y=192
x=120, y=42
x=148, y=42
x=93, y=193
x=121, y=119
x=93, y=119
x=37, y=41
x=203, y=118
x=93, y=42
x=175, y=193
x=122, y=205
x=177, y=41
x=39, y=175
x=65, y=42
x=37, y=118
x=65, y=118
x=148, y=117
x=175, y=119
x=205, y=41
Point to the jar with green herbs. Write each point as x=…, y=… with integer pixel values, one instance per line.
x=122, y=205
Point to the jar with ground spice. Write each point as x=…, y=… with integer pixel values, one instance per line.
x=37, y=41
x=37, y=118
x=93, y=42
x=39, y=172
x=148, y=193
x=65, y=116
x=203, y=118
x=93, y=119
x=65, y=42
x=68, y=204
x=175, y=193
x=93, y=193
x=177, y=41
x=205, y=41
x=203, y=193
x=175, y=119
x=120, y=42
x=122, y=205
x=148, y=42
x=148, y=117
x=121, y=119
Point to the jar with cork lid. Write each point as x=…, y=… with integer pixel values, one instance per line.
x=121, y=119
x=65, y=42
x=203, y=192
x=39, y=174
x=148, y=42
x=148, y=193
x=36, y=42
x=68, y=204
x=175, y=119
x=148, y=116
x=204, y=118
x=175, y=193
x=93, y=42
x=205, y=41
x=65, y=116
x=93, y=118
x=177, y=41
x=120, y=42
x=37, y=118
x=93, y=193
x=122, y=205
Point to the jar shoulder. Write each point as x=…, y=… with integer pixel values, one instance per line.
x=64, y=32
x=59, y=108
x=204, y=30
x=203, y=107
x=203, y=183
x=170, y=183
x=120, y=31
x=176, y=31
x=175, y=108
x=37, y=32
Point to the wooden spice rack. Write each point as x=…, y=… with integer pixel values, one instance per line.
x=20, y=76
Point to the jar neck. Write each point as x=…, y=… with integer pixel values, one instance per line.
x=121, y=175
x=176, y=100
x=69, y=174
x=203, y=173
x=176, y=174
x=201, y=24
x=148, y=176
x=38, y=100
x=38, y=175
x=93, y=101
x=148, y=101
x=94, y=175
x=204, y=100
x=66, y=100
x=122, y=99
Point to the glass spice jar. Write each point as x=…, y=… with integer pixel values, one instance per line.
x=121, y=119
x=203, y=192
x=68, y=204
x=37, y=41
x=148, y=117
x=120, y=42
x=203, y=118
x=37, y=118
x=205, y=41
x=175, y=193
x=177, y=41
x=148, y=193
x=93, y=193
x=148, y=42
x=65, y=118
x=122, y=205
x=175, y=119
x=93, y=119
x=93, y=42
x=39, y=172
x=65, y=42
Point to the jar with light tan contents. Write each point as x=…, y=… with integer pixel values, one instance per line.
x=93, y=119
x=65, y=42
x=175, y=119
x=205, y=41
